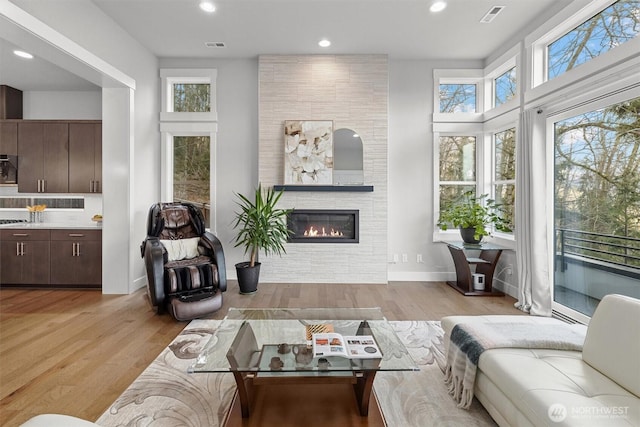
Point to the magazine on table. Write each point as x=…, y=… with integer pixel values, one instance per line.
x=352, y=347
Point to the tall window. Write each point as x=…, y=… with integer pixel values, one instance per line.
x=597, y=205
x=457, y=168
x=457, y=98
x=188, y=123
x=504, y=87
x=505, y=172
x=612, y=27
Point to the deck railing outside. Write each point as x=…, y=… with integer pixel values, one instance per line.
x=617, y=250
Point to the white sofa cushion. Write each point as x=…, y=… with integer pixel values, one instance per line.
x=612, y=344
x=537, y=381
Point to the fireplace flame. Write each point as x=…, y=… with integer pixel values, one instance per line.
x=314, y=232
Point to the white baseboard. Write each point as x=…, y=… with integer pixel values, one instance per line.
x=421, y=276
x=138, y=283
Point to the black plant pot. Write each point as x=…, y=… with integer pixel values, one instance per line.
x=467, y=235
x=248, y=277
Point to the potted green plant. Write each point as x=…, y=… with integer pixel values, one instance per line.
x=261, y=226
x=472, y=215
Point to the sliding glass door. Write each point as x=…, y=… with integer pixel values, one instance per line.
x=597, y=204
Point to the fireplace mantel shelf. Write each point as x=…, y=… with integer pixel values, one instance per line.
x=326, y=188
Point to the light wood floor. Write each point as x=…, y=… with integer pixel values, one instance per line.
x=76, y=351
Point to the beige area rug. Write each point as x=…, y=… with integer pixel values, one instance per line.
x=165, y=395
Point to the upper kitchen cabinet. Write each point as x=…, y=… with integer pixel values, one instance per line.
x=85, y=157
x=9, y=138
x=43, y=157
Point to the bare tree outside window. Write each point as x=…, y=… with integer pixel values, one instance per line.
x=612, y=27
x=191, y=97
x=457, y=168
x=505, y=173
x=191, y=170
x=597, y=178
x=457, y=98
x=504, y=87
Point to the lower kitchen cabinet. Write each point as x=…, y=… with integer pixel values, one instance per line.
x=24, y=257
x=56, y=257
x=76, y=257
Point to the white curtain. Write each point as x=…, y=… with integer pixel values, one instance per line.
x=534, y=244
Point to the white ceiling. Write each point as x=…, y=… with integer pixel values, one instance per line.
x=398, y=28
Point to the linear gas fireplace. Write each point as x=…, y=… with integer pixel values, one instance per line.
x=323, y=226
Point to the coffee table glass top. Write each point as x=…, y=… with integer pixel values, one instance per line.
x=275, y=341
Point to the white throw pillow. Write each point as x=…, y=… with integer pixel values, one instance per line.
x=181, y=248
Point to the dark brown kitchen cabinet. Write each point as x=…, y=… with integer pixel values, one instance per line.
x=76, y=257
x=9, y=138
x=85, y=157
x=43, y=157
x=24, y=257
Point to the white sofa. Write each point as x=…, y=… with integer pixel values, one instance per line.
x=599, y=386
x=57, y=420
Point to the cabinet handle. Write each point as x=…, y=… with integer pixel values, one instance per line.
x=76, y=235
x=96, y=186
x=21, y=249
x=73, y=249
x=17, y=248
x=20, y=234
x=91, y=186
x=78, y=249
x=38, y=190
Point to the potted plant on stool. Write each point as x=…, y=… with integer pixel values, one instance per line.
x=261, y=226
x=473, y=216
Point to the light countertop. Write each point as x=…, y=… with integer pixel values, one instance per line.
x=90, y=225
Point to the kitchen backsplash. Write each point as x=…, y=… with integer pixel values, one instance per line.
x=67, y=209
x=52, y=203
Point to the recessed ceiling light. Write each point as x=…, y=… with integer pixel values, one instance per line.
x=438, y=6
x=23, y=54
x=207, y=6
x=324, y=43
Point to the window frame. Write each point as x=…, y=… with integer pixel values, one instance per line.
x=171, y=76
x=462, y=76
x=503, y=123
x=170, y=130
x=447, y=129
x=620, y=59
x=602, y=97
x=174, y=124
x=510, y=59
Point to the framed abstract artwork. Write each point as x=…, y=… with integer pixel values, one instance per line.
x=308, y=152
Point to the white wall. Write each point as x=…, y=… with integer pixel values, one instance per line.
x=410, y=193
x=128, y=190
x=62, y=105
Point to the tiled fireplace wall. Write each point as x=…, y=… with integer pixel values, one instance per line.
x=351, y=90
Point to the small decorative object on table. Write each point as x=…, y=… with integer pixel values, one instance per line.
x=36, y=213
x=97, y=218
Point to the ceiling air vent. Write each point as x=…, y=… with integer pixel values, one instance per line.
x=495, y=10
x=215, y=45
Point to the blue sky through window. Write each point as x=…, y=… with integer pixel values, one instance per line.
x=457, y=98
x=612, y=27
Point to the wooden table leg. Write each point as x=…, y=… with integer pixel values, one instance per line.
x=243, y=382
x=363, y=388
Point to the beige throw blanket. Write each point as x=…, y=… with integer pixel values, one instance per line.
x=469, y=340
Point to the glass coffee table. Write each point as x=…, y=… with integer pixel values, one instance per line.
x=274, y=347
